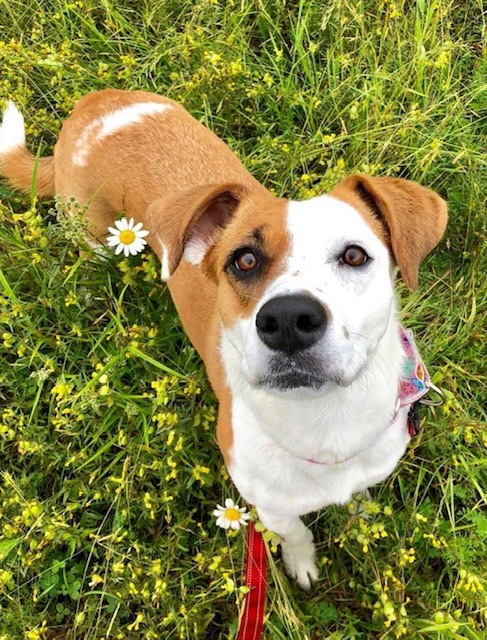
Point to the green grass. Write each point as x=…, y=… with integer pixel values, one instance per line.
x=109, y=466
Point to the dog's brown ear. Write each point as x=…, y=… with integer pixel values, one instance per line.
x=413, y=218
x=189, y=222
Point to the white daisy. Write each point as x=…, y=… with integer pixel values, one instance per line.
x=127, y=237
x=231, y=516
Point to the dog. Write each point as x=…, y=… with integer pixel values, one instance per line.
x=291, y=305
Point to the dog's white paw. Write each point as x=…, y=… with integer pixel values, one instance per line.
x=299, y=560
x=297, y=546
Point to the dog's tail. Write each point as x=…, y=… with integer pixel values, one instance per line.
x=22, y=169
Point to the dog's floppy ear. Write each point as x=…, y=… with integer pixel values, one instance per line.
x=413, y=217
x=188, y=222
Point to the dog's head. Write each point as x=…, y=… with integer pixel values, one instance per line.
x=304, y=289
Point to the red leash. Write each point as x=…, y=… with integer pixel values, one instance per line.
x=252, y=619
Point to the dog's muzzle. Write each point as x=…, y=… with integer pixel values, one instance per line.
x=290, y=326
x=291, y=323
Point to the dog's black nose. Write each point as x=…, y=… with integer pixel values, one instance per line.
x=291, y=323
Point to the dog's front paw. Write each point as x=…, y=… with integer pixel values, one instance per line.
x=298, y=549
x=299, y=560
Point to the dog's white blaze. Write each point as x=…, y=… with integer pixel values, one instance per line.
x=12, y=131
x=111, y=123
x=320, y=229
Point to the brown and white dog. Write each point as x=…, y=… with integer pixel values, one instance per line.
x=290, y=305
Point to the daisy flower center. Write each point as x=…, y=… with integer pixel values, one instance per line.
x=232, y=514
x=127, y=236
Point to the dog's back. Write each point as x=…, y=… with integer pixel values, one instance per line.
x=103, y=158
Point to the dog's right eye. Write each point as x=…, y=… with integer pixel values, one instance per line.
x=244, y=262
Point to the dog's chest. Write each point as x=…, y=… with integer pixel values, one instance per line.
x=304, y=460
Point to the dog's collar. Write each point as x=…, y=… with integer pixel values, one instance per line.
x=415, y=381
x=414, y=384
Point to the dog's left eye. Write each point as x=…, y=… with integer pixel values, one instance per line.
x=354, y=256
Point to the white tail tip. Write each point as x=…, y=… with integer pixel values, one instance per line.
x=12, y=132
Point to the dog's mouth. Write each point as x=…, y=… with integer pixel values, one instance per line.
x=293, y=373
x=292, y=380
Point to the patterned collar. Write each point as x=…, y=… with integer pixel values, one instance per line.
x=415, y=381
